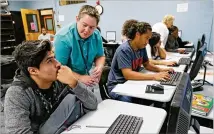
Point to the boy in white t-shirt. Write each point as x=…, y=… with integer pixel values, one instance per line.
x=45, y=35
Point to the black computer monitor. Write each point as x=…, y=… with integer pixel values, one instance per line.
x=180, y=108
x=199, y=45
x=197, y=62
x=203, y=38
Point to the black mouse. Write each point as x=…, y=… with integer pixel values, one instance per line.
x=157, y=87
x=175, y=65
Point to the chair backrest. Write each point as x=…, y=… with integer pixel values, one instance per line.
x=103, y=82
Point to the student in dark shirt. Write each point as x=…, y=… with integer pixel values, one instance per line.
x=179, y=40
x=172, y=43
x=182, y=43
x=130, y=56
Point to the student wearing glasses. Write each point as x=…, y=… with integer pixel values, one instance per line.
x=130, y=56
x=79, y=45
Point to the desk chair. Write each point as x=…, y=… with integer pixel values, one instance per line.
x=102, y=84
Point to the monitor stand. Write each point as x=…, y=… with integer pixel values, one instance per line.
x=197, y=85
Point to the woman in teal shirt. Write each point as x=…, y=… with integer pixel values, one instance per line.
x=78, y=45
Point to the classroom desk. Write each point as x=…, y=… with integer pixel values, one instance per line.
x=208, y=89
x=173, y=55
x=203, y=130
x=189, y=45
x=137, y=89
x=109, y=110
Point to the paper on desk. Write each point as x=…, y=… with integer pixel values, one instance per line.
x=190, y=44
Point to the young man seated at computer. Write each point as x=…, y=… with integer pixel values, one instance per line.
x=172, y=43
x=44, y=93
x=127, y=61
x=154, y=51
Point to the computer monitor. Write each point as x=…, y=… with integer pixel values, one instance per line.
x=203, y=38
x=111, y=36
x=181, y=108
x=180, y=33
x=197, y=62
x=199, y=45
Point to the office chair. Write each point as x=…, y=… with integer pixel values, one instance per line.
x=102, y=84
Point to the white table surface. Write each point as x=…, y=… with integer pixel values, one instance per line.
x=173, y=54
x=109, y=110
x=208, y=90
x=203, y=130
x=137, y=89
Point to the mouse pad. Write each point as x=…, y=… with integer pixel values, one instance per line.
x=152, y=91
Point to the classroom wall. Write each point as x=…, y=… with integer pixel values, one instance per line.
x=15, y=5
x=193, y=23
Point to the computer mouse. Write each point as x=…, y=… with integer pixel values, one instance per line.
x=185, y=52
x=175, y=65
x=157, y=87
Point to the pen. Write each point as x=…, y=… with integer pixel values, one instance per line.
x=97, y=126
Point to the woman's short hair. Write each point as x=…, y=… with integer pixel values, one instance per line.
x=168, y=18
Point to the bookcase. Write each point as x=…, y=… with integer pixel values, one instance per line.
x=8, y=40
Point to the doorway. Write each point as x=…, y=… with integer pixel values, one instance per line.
x=35, y=20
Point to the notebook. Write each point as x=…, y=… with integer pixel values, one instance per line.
x=201, y=104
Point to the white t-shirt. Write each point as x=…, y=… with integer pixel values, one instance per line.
x=44, y=37
x=161, y=28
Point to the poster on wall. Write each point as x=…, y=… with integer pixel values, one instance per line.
x=182, y=7
x=68, y=2
x=32, y=26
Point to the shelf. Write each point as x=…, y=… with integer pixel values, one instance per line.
x=9, y=47
x=6, y=28
x=8, y=41
x=7, y=34
x=6, y=20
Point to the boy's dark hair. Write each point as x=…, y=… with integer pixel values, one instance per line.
x=153, y=41
x=31, y=53
x=172, y=29
x=127, y=24
x=140, y=27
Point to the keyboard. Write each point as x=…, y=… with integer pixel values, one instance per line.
x=174, y=77
x=125, y=124
x=189, y=49
x=184, y=61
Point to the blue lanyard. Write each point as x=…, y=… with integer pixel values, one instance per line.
x=84, y=60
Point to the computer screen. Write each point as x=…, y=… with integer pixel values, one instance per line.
x=199, y=45
x=181, y=107
x=111, y=36
x=180, y=33
x=203, y=38
x=197, y=62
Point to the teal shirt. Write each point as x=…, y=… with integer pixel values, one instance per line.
x=70, y=49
